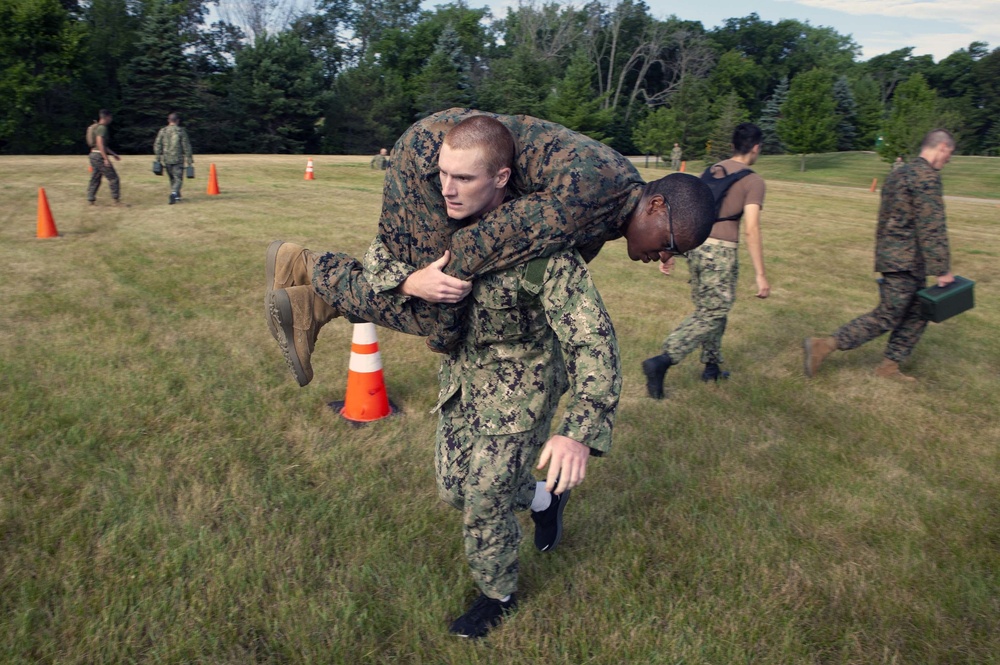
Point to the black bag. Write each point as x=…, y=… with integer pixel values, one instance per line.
x=190, y=171
x=157, y=167
x=720, y=186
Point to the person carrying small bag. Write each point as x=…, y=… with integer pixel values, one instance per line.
x=173, y=150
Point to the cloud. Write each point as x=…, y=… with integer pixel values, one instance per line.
x=930, y=26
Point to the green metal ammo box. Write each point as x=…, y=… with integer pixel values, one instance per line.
x=943, y=302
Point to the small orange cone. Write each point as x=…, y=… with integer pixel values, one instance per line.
x=684, y=166
x=366, y=398
x=874, y=182
x=213, y=182
x=309, y=170
x=46, y=225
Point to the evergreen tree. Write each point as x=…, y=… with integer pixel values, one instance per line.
x=913, y=114
x=158, y=80
x=846, y=111
x=39, y=61
x=771, y=143
x=518, y=84
x=574, y=104
x=368, y=110
x=987, y=71
x=693, y=112
x=730, y=114
x=276, y=96
x=112, y=39
x=868, y=112
x=444, y=80
x=808, y=122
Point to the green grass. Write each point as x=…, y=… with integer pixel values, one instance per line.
x=169, y=495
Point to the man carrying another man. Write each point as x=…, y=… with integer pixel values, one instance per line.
x=565, y=190
x=536, y=329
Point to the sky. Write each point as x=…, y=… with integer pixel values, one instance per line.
x=934, y=27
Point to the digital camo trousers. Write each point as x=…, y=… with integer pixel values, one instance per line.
x=714, y=271
x=489, y=479
x=97, y=169
x=898, y=310
x=176, y=173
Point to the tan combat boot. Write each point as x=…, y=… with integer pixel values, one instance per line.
x=889, y=369
x=298, y=313
x=816, y=349
x=286, y=265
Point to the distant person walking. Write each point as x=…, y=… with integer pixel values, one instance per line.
x=911, y=242
x=675, y=157
x=381, y=160
x=100, y=158
x=173, y=149
x=897, y=164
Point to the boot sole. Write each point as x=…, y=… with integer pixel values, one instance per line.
x=279, y=315
x=269, y=267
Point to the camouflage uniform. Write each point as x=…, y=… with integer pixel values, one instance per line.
x=911, y=242
x=675, y=158
x=714, y=271
x=380, y=162
x=526, y=344
x=173, y=149
x=98, y=168
x=566, y=190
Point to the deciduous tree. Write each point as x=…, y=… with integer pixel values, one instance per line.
x=808, y=119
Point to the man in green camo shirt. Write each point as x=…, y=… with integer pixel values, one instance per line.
x=100, y=159
x=911, y=243
x=565, y=190
x=173, y=149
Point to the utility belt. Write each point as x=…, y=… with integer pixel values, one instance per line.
x=722, y=243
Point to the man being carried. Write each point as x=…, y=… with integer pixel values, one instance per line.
x=715, y=267
x=565, y=190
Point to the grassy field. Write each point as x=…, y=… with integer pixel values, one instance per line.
x=168, y=494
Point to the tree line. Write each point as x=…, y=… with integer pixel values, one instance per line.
x=348, y=76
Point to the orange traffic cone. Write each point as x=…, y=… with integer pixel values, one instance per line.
x=874, y=182
x=366, y=397
x=46, y=225
x=684, y=166
x=213, y=182
x=309, y=170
